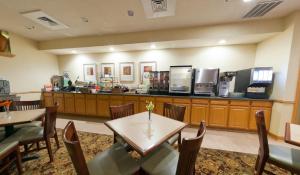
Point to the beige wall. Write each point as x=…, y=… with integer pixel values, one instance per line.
x=227, y=58
x=282, y=52
x=30, y=69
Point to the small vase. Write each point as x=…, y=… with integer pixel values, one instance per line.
x=149, y=115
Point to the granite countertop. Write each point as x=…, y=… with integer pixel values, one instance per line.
x=176, y=96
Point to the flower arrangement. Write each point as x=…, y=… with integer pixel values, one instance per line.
x=149, y=107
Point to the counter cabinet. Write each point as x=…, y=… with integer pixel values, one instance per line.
x=220, y=113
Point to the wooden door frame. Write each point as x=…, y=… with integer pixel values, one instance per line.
x=296, y=110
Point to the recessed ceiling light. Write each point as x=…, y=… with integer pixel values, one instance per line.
x=247, y=0
x=112, y=49
x=222, y=41
x=153, y=46
x=74, y=51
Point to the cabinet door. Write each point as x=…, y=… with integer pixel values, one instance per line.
x=80, y=104
x=238, y=117
x=134, y=100
x=252, y=121
x=48, y=99
x=187, y=114
x=91, y=104
x=103, y=106
x=69, y=103
x=159, y=104
x=59, y=99
x=116, y=100
x=199, y=113
x=218, y=116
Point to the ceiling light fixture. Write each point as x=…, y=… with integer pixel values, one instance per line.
x=247, y=0
x=74, y=51
x=222, y=41
x=130, y=13
x=153, y=46
x=112, y=49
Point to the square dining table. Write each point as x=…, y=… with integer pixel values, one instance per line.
x=145, y=135
x=8, y=120
x=292, y=134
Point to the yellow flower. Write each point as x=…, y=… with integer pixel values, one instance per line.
x=149, y=106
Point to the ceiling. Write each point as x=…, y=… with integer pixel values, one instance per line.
x=244, y=39
x=110, y=16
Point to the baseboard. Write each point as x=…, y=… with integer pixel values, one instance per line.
x=276, y=137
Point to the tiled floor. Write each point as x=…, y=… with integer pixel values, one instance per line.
x=216, y=139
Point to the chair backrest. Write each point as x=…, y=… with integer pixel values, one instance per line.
x=262, y=133
x=189, y=151
x=26, y=105
x=175, y=112
x=121, y=111
x=72, y=144
x=50, y=121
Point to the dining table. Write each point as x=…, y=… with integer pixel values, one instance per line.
x=9, y=119
x=292, y=134
x=145, y=134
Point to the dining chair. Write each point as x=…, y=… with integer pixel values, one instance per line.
x=28, y=105
x=9, y=154
x=167, y=160
x=113, y=161
x=119, y=112
x=284, y=157
x=175, y=112
x=33, y=135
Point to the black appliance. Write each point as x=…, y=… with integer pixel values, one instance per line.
x=255, y=82
x=159, y=82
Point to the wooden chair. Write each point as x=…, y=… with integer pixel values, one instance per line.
x=175, y=112
x=119, y=112
x=28, y=105
x=114, y=160
x=166, y=160
x=284, y=157
x=9, y=154
x=34, y=135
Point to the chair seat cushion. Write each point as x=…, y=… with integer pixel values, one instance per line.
x=289, y=157
x=162, y=161
x=26, y=134
x=173, y=139
x=33, y=123
x=4, y=147
x=113, y=161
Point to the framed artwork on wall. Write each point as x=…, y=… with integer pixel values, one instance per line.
x=107, y=69
x=127, y=71
x=146, y=67
x=89, y=72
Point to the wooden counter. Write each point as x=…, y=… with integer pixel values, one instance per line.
x=238, y=114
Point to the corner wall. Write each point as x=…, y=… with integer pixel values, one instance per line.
x=30, y=69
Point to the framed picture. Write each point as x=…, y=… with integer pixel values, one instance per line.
x=107, y=70
x=146, y=67
x=127, y=71
x=89, y=72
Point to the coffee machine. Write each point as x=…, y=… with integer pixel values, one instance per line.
x=206, y=82
x=224, y=85
x=255, y=82
x=159, y=82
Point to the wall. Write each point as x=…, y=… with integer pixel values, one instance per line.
x=207, y=57
x=30, y=69
x=282, y=52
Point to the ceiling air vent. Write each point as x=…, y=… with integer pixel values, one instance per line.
x=44, y=19
x=262, y=8
x=159, y=8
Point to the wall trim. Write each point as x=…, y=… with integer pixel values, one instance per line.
x=284, y=102
x=27, y=92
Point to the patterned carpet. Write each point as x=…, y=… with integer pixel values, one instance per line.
x=209, y=161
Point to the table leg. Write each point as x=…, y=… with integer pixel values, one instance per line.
x=9, y=130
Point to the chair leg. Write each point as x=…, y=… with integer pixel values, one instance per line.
x=261, y=165
x=115, y=140
x=56, y=139
x=179, y=142
x=18, y=161
x=38, y=146
x=26, y=148
x=257, y=162
x=48, y=144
